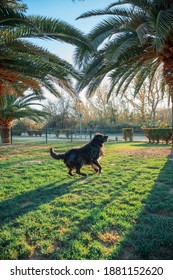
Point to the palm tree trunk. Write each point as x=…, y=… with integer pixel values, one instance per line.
x=172, y=119
x=171, y=153
x=5, y=135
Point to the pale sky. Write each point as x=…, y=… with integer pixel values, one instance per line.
x=68, y=11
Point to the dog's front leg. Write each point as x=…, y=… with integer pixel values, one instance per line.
x=98, y=165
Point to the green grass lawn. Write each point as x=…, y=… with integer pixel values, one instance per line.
x=126, y=213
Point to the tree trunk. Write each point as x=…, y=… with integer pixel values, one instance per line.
x=172, y=119
x=5, y=135
x=168, y=75
x=171, y=153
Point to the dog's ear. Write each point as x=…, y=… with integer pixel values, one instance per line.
x=99, y=138
x=98, y=135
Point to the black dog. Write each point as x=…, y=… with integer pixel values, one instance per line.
x=88, y=154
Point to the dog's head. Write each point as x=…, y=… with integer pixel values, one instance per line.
x=100, y=138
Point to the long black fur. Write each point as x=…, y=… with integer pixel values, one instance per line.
x=88, y=154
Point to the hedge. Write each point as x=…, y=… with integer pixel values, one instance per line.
x=35, y=132
x=128, y=134
x=67, y=132
x=158, y=134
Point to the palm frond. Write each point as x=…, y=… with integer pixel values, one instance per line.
x=49, y=28
x=15, y=107
x=164, y=24
x=102, y=12
x=133, y=41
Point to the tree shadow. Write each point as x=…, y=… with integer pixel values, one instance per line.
x=89, y=224
x=149, y=238
x=28, y=201
x=152, y=234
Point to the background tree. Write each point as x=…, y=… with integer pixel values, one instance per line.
x=146, y=102
x=102, y=111
x=62, y=113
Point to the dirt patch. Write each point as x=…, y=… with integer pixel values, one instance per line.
x=33, y=161
x=109, y=238
x=22, y=149
x=3, y=157
x=147, y=153
x=29, y=162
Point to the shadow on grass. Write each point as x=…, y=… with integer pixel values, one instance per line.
x=19, y=205
x=152, y=234
x=92, y=223
x=149, y=238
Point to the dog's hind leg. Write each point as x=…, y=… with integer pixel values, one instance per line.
x=70, y=169
x=98, y=165
x=70, y=172
x=78, y=167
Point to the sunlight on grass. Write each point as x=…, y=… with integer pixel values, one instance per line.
x=124, y=213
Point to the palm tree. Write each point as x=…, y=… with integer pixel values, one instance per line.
x=135, y=41
x=21, y=60
x=23, y=64
x=13, y=107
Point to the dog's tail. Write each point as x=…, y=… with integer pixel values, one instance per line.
x=56, y=156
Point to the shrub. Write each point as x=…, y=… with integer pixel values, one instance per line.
x=128, y=134
x=67, y=132
x=35, y=132
x=158, y=134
